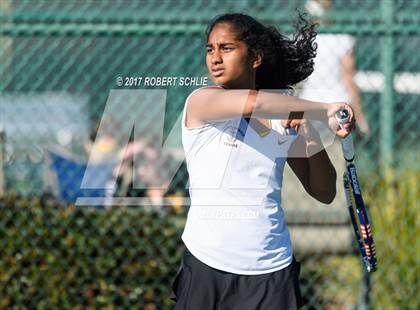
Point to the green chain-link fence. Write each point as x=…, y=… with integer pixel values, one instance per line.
x=59, y=60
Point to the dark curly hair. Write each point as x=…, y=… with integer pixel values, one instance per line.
x=286, y=61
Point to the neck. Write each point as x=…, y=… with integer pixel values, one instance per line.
x=242, y=86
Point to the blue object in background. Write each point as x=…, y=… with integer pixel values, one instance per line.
x=69, y=174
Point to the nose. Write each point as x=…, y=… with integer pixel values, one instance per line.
x=216, y=57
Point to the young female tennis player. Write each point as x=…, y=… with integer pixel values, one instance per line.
x=239, y=254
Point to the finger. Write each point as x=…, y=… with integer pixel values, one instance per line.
x=348, y=126
x=351, y=113
x=295, y=122
x=342, y=133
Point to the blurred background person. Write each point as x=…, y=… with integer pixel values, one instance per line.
x=331, y=81
x=102, y=145
x=144, y=171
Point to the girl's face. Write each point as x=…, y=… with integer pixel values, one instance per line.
x=227, y=59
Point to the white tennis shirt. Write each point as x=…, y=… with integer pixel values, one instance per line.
x=235, y=222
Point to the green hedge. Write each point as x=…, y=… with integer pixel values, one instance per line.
x=394, y=208
x=122, y=257
x=55, y=257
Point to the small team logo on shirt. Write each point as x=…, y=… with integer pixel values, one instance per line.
x=232, y=135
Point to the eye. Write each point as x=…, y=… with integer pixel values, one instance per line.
x=209, y=49
x=228, y=48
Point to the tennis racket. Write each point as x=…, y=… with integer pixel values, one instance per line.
x=358, y=213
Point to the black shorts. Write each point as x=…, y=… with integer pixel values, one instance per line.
x=198, y=286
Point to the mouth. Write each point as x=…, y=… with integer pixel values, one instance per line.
x=217, y=72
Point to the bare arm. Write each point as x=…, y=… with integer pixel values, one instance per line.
x=216, y=103
x=311, y=164
x=209, y=104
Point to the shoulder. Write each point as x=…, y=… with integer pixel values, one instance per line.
x=190, y=120
x=204, y=89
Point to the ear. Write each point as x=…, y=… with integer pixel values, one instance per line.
x=257, y=59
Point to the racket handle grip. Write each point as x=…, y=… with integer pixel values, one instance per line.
x=342, y=117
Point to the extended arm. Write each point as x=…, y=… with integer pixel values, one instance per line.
x=214, y=103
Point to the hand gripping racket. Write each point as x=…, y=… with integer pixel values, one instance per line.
x=355, y=204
